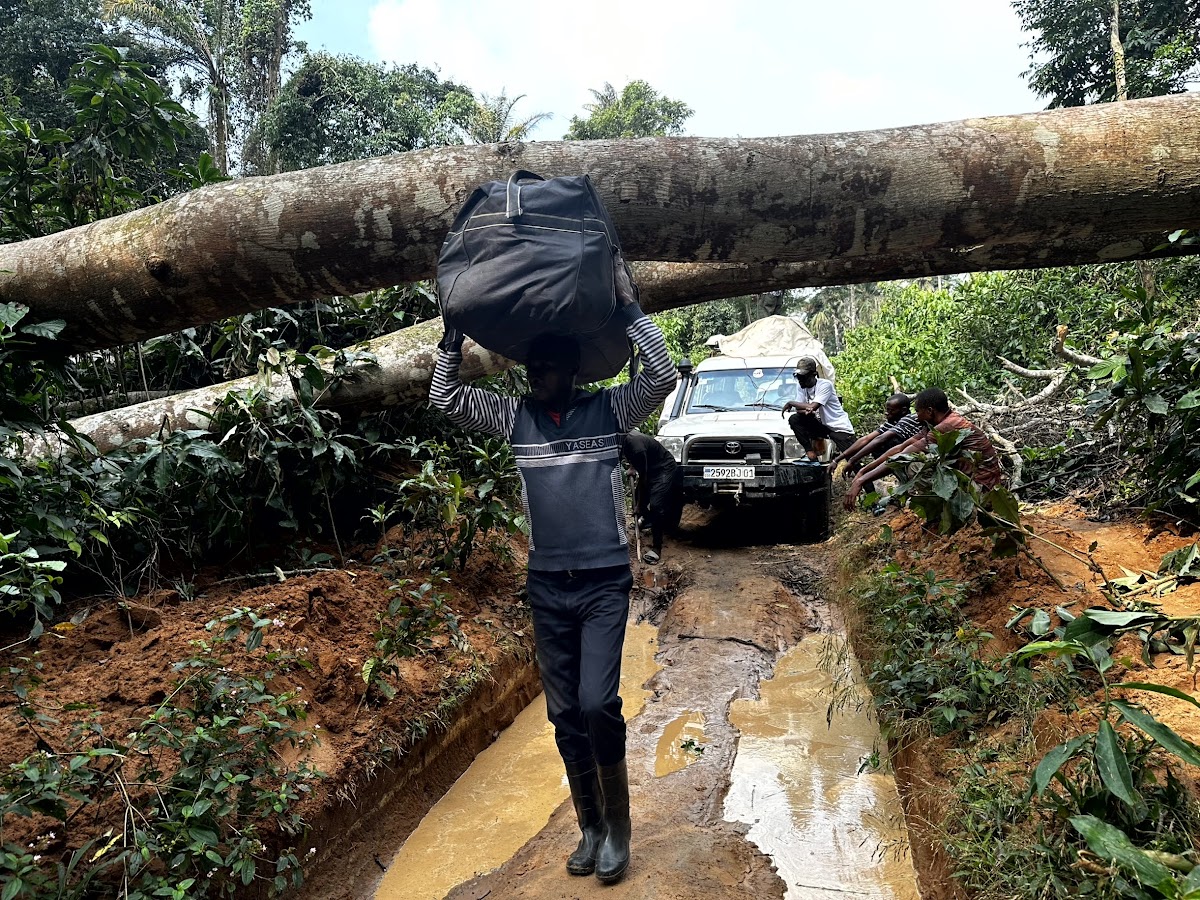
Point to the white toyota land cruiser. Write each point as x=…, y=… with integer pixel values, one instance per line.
x=724, y=424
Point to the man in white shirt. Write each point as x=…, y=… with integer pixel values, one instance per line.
x=818, y=413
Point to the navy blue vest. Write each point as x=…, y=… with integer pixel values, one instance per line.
x=572, y=484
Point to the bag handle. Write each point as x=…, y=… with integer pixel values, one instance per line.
x=514, y=190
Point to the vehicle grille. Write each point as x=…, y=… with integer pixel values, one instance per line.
x=713, y=450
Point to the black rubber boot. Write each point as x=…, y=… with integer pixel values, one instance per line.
x=585, y=794
x=613, y=858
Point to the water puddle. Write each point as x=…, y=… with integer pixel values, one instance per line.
x=681, y=744
x=505, y=797
x=830, y=830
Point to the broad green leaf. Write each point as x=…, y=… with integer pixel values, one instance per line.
x=203, y=837
x=1004, y=504
x=1101, y=370
x=162, y=471
x=1137, y=369
x=962, y=506
x=1053, y=761
x=1020, y=617
x=1162, y=733
x=1191, y=884
x=12, y=313
x=1158, y=689
x=1156, y=404
x=1100, y=657
x=1051, y=648
x=1190, y=400
x=1041, y=623
x=944, y=483
x=1180, y=562
x=1113, y=844
x=1119, y=619
x=48, y=329
x=1113, y=765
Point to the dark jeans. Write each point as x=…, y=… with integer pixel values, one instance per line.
x=809, y=428
x=660, y=500
x=579, y=626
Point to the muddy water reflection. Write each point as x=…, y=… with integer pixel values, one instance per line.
x=505, y=797
x=829, y=830
x=681, y=744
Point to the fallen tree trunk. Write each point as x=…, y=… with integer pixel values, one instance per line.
x=1088, y=184
x=406, y=358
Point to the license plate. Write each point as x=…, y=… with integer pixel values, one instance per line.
x=729, y=473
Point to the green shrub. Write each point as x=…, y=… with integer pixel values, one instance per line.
x=196, y=780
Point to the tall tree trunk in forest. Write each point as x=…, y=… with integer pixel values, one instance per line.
x=218, y=125
x=1063, y=187
x=1118, y=50
x=1144, y=267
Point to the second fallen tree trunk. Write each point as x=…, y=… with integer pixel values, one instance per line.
x=1089, y=184
x=406, y=358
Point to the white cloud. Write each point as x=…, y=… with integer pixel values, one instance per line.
x=758, y=67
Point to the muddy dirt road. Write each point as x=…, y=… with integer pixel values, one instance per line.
x=727, y=764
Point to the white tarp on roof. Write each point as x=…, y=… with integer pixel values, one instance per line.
x=776, y=336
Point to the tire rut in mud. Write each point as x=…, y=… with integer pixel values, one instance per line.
x=719, y=637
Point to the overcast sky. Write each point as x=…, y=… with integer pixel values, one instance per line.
x=750, y=69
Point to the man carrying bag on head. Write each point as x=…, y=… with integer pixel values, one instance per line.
x=567, y=444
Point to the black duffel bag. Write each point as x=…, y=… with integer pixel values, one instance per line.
x=531, y=256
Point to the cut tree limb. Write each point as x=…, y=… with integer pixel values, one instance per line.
x=1090, y=184
x=1060, y=349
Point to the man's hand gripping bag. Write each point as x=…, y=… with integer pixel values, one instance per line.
x=531, y=256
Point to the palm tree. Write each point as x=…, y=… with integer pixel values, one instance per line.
x=234, y=50
x=491, y=121
x=200, y=35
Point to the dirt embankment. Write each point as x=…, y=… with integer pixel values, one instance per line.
x=927, y=766
x=115, y=666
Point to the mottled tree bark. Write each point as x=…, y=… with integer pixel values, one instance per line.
x=1089, y=184
x=406, y=357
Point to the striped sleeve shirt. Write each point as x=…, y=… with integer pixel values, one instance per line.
x=903, y=428
x=483, y=410
x=469, y=407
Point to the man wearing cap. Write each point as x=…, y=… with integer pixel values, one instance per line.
x=818, y=413
x=567, y=448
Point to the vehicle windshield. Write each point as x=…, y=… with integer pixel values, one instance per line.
x=742, y=389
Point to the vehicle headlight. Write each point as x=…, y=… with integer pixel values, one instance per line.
x=674, y=446
x=792, y=448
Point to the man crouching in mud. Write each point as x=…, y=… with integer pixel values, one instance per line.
x=567, y=443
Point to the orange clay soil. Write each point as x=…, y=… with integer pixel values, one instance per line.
x=1000, y=587
x=116, y=665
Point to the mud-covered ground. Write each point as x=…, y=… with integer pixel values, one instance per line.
x=114, y=664
x=717, y=638
x=729, y=601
